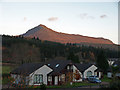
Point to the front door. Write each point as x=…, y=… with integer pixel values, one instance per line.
x=53, y=79
x=56, y=80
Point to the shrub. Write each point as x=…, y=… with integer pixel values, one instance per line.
x=115, y=85
x=43, y=87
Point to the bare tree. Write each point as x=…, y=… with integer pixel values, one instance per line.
x=24, y=53
x=20, y=81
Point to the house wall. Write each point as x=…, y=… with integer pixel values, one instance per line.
x=100, y=74
x=91, y=68
x=110, y=75
x=44, y=70
x=110, y=62
x=117, y=74
x=74, y=69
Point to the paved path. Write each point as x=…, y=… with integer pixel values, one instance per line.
x=92, y=87
x=56, y=89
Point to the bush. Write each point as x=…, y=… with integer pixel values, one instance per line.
x=43, y=87
x=115, y=85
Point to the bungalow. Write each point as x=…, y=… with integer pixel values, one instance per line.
x=86, y=70
x=51, y=73
x=59, y=73
x=111, y=61
x=31, y=74
x=115, y=64
x=55, y=72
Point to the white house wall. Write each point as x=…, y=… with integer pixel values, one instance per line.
x=100, y=74
x=74, y=69
x=44, y=70
x=92, y=69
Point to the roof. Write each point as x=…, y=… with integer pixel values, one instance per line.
x=113, y=59
x=98, y=70
x=82, y=67
x=27, y=68
x=58, y=66
x=117, y=63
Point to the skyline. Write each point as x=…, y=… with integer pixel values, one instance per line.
x=94, y=19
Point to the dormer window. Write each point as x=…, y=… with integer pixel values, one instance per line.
x=48, y=64
x=57, y=65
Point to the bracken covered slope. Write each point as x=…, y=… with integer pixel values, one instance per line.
x=45, y=33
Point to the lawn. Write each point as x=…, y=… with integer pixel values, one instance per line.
x=6, y=69
x=5, y=73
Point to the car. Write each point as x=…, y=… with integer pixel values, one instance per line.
x=94, y=79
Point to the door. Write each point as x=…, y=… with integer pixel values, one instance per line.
x=53, y=80
x=56, y=80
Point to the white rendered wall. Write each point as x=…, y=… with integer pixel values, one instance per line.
x=44, y=70
x=92, y=69
x=74, y=69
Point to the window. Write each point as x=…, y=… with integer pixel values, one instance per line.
x=38, y=78
x=68, y=67
x=48, y=64
x=89, y=73
x=63, y=77
x=49, y=78
x=57, y=65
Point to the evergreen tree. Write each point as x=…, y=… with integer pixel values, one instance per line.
x=102, y=61
x=73, y=57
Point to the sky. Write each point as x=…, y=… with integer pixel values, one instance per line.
x=94, y=19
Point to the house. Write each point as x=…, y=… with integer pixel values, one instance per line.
x=55, y=72
x=111, y=61
x=109, y=72
x=51, y=73
x=31, y=73
x=60, y=71
x=86, y=70
x=66, y=71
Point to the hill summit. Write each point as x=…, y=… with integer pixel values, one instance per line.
x=44, y=33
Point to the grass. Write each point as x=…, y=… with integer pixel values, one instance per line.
x=6, y=69
x=77, y=84
x=5, y=73
x=106, y=79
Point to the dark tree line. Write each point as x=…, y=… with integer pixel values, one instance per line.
x=18, y=49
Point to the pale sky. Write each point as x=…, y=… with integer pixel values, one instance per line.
x=94, y=19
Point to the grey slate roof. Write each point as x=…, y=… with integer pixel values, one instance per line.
x=56, y=65
x=27, y=68
x=61, y=65
x=82, y=67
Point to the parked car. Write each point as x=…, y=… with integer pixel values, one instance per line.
x=94, y=79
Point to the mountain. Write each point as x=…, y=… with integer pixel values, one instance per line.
x=44, y=33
